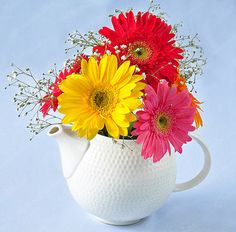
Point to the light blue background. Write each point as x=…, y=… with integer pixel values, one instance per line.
x=33, y=193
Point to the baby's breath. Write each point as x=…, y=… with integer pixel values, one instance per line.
x=29, y=96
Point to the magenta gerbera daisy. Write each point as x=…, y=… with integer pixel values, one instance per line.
x=147, y=41
x=166, y=119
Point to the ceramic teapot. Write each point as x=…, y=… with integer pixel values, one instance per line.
x=113, y=182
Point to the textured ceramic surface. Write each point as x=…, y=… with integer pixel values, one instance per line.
x=113, y=182
x=116, y=184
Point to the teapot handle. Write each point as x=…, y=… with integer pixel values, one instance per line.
x=203, y=173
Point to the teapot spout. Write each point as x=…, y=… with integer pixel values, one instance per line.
x=72, y=148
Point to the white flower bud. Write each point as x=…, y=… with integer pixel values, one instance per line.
x=123, y=57
x=108, y=52
x=12, y=76
x=108, y=42
x=50, y=71
x=137, y=69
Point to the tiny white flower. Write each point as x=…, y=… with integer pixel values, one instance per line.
x=116, y=47
x=144, y=75
x=137, y=69
x=108, y=52
x=108, y=42
x=162, y=81
x=123, y=46
x=12, y=76
x=123, y=57
x=117, y=51
x=50, y=71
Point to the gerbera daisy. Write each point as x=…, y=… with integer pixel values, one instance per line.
x=50, y=101
x=147, y=41
x=181, y=85
x=166, y=119
x=103, y=95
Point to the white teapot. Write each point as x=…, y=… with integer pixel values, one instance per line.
x=113, y=182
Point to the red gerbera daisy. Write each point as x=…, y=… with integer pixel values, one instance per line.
x=50, y=100
x=147, y=41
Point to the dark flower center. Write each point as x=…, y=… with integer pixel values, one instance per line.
x=140, y=52
x=163, y=122
x=103, y=100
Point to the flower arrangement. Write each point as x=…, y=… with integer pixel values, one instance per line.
x=136, y=83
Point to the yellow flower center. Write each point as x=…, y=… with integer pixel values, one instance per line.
x=140, y=51
x=163, y=122
x=103, y=100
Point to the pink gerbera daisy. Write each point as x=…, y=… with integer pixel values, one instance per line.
x=166, y=119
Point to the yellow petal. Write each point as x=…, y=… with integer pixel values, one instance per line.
x=92, y=70
x=91, y=133
x=81, y=133
x=120, y=116
x=120, y=121
x=140, y=86
x=120, y=72
x=127, y=77
x=111, y=67
x=84, y=66
x=102, y=66
x=123, y=131
x=131, y=117
x=67, y=89
x=68, y=99
x=89, y=119
x=122, y=109
x=136, y=94
x=79, y=81
x=97, y=122
x=137, y=78
x=132, y=103
x=126, y=90
x=112, y=128
x=68, y=119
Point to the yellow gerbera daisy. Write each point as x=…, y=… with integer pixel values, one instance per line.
x=102, y=95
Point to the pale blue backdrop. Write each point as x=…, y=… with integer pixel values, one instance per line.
x=33, y=194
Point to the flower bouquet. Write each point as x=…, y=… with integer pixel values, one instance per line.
x=136, y=85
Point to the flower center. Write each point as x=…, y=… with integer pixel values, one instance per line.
x=103, y=100
x=163, y=122
x=140, y=51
